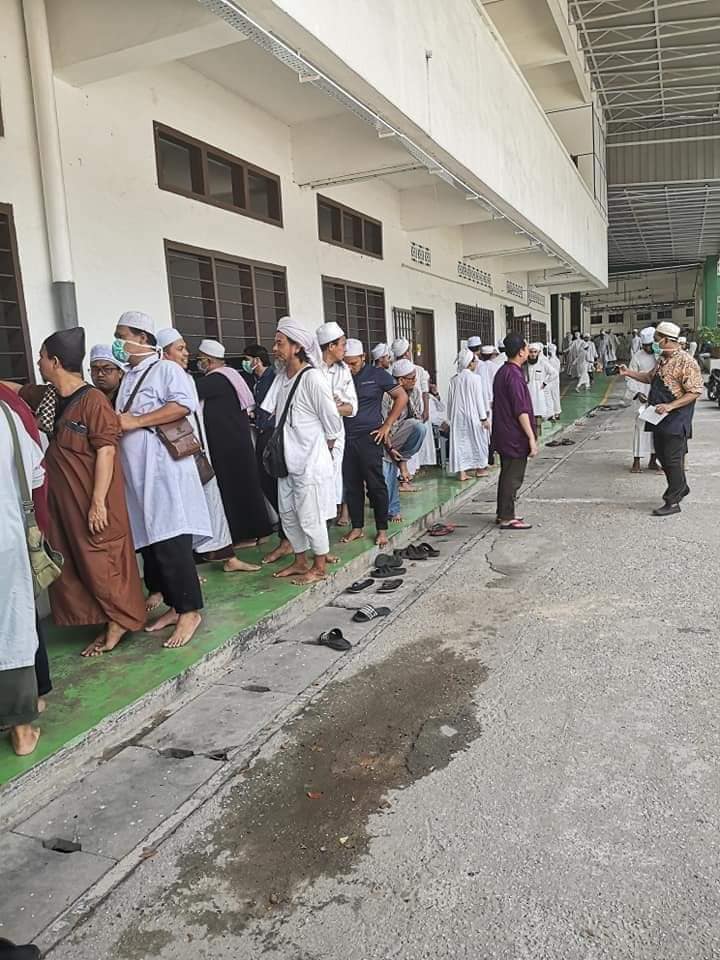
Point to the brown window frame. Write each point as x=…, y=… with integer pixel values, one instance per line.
x=364, y=218
x=482, y=320
x=171, y=247
x=364, y=335
x=205, y=150
x=7, y=211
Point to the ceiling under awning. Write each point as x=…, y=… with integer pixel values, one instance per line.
x=655, y=65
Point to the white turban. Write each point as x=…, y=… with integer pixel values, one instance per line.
x=552, y=349
x=403, y=368
x=682, y=339
x=474, y=342
x=464, y=358
x=354, y=348
x=536, y=346
x=296, y=332
x=400, y=347
x=647, y=335
x=501, y=346
x=380, y=350
x=167, y=336
x=101, y=351
x=329, y=332
x=138, y=320
x=212, y=348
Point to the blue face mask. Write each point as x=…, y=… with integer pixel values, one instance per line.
x=656, y=348
x=247, y=366
x=119, y=351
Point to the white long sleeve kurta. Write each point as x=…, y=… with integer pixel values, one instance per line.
x=306, y=497
x=643, y=444
x=554, y=405
x=540, y=376
x=164, y=496
x=427, y=454
x=342, y=387
x=469, y=440
x=18, y=634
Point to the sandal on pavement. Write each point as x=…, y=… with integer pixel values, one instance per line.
x=13, y=951
x=387, y=572
x=358, y=586
x=335, y=640
x=390, y=586
x=367, y=613
x=429, y=549
x=440, y=530
x=411, y=553
x=383, y=560
x=498, y=521
x=516, y=524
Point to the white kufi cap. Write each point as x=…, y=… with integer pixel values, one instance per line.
x=212, y=348
x=380, y=350
x=354, y=348
x=329, y=332
x=403, y=368
x=101, y=351
x=138, y=320
x=474, y=342
x=400, y=347
x=167, y=336
x=647, y=335
x=488, y=351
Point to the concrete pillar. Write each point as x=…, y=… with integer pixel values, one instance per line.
x=51, y=171
x=576, y=314
x=710, y=292
x=555, y=318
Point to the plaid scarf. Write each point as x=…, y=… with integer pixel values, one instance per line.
x=45, y=413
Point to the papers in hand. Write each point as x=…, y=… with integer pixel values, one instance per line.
x=649, y=414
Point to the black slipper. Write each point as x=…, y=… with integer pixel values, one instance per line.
x=387, y=572
x=429, y=549
x=389, y=586
x=411, y=553
x=385, y=560
x=12, y=951
x=358, y=586
x=335, y=640
x=367, y=613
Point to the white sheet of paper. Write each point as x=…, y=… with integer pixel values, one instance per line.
x=649, y=414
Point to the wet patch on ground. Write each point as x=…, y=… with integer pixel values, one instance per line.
x=303, y=813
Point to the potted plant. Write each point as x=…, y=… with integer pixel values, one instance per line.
x=710, y=336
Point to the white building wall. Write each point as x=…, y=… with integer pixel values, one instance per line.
x=119, y=217
x=20, y=184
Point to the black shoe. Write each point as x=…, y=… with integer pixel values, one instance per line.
x=667, y=510
x=685, y=492
x=9, y=951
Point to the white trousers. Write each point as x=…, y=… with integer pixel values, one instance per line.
x=304, y=509
x=643, y=444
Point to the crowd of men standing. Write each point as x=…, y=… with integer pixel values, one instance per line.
x=182, y=470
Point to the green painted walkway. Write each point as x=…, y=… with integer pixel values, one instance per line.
x=86, y=691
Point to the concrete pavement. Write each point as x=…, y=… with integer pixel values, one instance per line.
x=522, y=763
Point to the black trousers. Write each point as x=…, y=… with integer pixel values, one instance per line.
x=670, y=451
x=268, y=484
x=362, y=466
x=42, y=664
x=169, y=569
x=512, y=474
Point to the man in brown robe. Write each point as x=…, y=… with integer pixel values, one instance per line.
x=89, y=524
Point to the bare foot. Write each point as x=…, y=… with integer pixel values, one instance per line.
x=282, y=550
x=635, y=468
x=381, y=540
x=42, y=705
x=297, y=566
x=481, y=473
x=331, y=558
x=233, y=565
x=462, y=476
x=310, y=576
x=397, y=519
x=409, y=488
x=168, y=619
x=106, y=641
x=183, y=633
x=153, y=602
x=343, y=519
x=24, y=739
x=355, y=534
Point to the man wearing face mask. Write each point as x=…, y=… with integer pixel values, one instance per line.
x=165, y=498
x=675, y=385
x=226, y=402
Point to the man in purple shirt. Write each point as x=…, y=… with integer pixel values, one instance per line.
x=513, y=435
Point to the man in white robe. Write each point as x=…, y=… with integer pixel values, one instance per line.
x=165, y=499
x=381, y=356
x=575, y=360
x=635, y=343
x=554, y=404
x=539, y=375
x=306, y=496
x=608, y=348
x=468, y=419
x=642, y=361
x=591, y=356
x=332, y=340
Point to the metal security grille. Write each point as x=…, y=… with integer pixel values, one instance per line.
x=474, y=322
x=534, y=331
x=360, y=311
x=14, y=357
x=404, y=324
x=236, y=301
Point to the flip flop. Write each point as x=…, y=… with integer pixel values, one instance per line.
x=335, y=640
x=498, y=521
x=358, y=586
x=429, y=549
x=387, y=572
x=389, y=586
x=567, y=443
x=383, y=560
x=516, y=524
x=440, y=530
x=367, y=613
x=411, y=553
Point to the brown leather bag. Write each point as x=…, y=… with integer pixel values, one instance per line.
x=179, y=439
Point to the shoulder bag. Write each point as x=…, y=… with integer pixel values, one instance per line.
x=45, y=563
x=177, y=437
x=274, y=452
x=202, y=461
